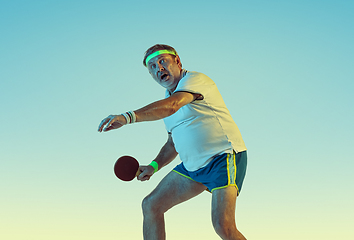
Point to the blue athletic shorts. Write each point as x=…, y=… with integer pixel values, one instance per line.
x=224, y=170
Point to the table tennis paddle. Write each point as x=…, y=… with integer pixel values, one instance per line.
x=126, y=168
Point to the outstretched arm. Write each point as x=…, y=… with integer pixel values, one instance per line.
x=154, y=111
x=164, y=108
x=165, y=156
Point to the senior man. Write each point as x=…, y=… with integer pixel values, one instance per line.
x=204, y=135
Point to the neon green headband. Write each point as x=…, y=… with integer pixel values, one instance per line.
x=158, y=53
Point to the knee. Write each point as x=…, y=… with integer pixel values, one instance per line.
x=149, y=206
x=146, y=205
x=224, y=228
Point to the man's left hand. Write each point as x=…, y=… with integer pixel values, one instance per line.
x=112, y=122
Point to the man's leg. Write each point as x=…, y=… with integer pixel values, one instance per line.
x=223, y=213
x=172, y=190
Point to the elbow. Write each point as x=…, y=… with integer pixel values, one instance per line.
x=173, y=108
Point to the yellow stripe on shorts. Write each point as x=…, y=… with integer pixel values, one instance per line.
x=231, y=169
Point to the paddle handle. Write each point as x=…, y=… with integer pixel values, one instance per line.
x=138, y=172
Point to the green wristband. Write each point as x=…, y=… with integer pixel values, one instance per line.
x=154, y=165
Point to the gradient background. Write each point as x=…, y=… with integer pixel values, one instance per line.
x=284, y=68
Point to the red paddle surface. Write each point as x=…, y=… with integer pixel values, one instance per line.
x=126, y=168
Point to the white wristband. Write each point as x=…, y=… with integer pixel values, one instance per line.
x=126, y=117
x=130, y=117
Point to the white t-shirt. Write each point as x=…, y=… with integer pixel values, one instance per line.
x=203, y=128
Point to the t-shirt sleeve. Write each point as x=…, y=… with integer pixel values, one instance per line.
x=194, y=82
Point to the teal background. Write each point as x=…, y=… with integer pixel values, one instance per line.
x=284, y=68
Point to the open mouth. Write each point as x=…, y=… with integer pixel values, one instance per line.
x=164, y=76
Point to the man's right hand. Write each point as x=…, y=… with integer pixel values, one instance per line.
x=146, y=172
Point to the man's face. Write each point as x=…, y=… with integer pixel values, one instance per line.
x=165, y=69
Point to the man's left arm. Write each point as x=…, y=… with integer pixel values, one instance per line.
x=164, y=108
x=154, y=111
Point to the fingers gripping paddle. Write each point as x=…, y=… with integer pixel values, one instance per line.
x=126, y=168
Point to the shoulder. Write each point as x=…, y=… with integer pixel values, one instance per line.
x=196, y=78
x=196, y=83
x=193, y=74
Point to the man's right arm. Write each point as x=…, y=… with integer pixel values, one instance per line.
x=166, y=155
